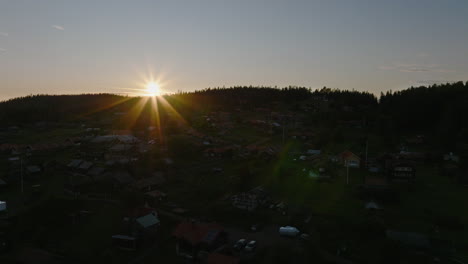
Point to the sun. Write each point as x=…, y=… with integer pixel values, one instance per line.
x=153, y=89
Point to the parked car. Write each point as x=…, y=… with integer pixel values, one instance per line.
x=289, y=231
x=251, y=246
x=240, y=244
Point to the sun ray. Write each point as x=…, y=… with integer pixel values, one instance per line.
x=156, y=117
x=167, y=105
x=135, y=112
x=105, y=107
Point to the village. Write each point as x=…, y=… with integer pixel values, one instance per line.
x=227, y=186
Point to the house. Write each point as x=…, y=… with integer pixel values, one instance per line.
x=400, y=171
x=3, y=207
x=373, y=165
x=149, y=220
x=314, y=152
x=142, y=223
x=451, y=157
x=372, y=206
x=120, y=148
x=193, y=237
x=349, y=159
x=74, y=164
x=250, y=200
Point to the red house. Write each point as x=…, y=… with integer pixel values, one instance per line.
x=349, y=159
x=193, y=237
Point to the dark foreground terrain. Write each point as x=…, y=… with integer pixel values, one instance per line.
x=173, y=179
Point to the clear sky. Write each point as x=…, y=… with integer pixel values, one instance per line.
x=87, y=46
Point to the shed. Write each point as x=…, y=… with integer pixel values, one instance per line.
x=149, y=220
x=74, y=163
x=372, y=206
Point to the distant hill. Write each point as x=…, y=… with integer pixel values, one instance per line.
x=437, y=109
x=56, y=108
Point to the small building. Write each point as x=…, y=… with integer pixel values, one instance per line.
x=372, y=206
x=150, y=220
x=451, y=157
x=401, y=171
x=314, y=152
x=120, y=148
x=349, y=159
x=3, y=207
x=74, y=164
x=193, y=237
x=250, y=200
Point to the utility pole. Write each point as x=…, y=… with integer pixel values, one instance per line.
x=347, y=173
x=21, y=172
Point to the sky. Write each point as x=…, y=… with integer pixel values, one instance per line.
x=115, y=46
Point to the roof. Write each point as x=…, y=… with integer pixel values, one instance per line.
x=348, y=155
x=120, y=147
x=314, y=151
x=123, y=237
x=196, y=233
x=85, y=165
x=74, y=163
x=216, y=258
x=148, y=220
x=372, y=205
